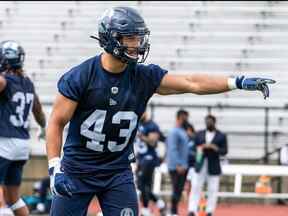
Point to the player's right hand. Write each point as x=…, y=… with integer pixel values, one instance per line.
x=255, y=83
x=60, y=184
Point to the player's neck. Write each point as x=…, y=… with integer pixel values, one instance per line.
x=112, y=64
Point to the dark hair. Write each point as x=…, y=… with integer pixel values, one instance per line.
x=181, y=112
x=209, y=116
x=18, y=72
x=187, y=125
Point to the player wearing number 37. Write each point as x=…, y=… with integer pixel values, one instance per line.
x=103, y=99
x=17, y=100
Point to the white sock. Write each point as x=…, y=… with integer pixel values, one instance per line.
x=145, y=212
x=40, y=207
x=160, y=204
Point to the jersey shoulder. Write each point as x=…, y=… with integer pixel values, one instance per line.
x=149, y=77
x=83, y=68
x=151, y=71
x=28, y=81
x=73, y=83
x=18, y=83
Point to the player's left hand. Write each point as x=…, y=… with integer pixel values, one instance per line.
x=60, y=184
x=254, y=84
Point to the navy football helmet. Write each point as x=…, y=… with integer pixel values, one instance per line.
x=12, y=55
x=123, y=21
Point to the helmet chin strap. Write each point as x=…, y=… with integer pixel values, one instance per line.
x=94, y=37
x=131, y=57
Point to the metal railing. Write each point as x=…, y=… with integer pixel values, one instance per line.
x=266, y=133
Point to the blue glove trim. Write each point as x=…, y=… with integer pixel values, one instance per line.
x=50, y=171
x=239, y=81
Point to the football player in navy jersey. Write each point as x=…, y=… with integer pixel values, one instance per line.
x=17, y=99
x=147, y=160
x=103, y=99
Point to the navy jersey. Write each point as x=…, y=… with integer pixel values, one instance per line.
x=103, y=127
x=145, y=151
x=147, y=127
x=16, y=102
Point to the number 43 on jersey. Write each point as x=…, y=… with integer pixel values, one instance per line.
x=97, y=118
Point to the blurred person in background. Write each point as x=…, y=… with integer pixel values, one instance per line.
x=39, y=201
x=103, y=99
x=42, y=189
x=147, y=160
x=284, y=155
x=177, y=157
x=17, y=100
x=191, y=155
x=210, y=144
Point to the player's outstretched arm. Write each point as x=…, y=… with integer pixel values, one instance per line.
x=210, y=84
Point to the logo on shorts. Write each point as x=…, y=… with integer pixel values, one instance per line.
x=127, y=212
x=131, y=156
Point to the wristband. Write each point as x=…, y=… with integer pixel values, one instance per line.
x=53, y=162
x=231, y=82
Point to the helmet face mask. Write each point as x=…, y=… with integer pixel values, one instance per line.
x=138, y=52
x=12, y=55
x=118, y=24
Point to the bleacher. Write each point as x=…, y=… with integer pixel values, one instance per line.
x=227, y=38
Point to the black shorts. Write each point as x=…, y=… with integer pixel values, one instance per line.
x=11, y=171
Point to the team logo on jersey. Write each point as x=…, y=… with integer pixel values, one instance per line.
x=114, y=90
x=112, y=102
x=127, y=212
